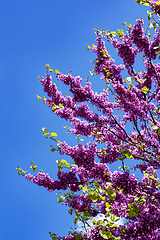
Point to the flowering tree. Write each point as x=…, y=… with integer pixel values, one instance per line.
x=90, y=188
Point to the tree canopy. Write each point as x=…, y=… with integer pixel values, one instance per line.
x=119, y=124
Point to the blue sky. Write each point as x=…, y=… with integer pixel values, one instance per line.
x=34, y=33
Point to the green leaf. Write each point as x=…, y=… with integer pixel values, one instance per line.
x=108, y=204
x=45, y=133
x=102, y=197
x=85, y=189
x=114, y=225
x=139, y=80
x=145, y=90
x=111, y=193
x=64, y=161
x=76, y=220
x=60, y=105
x=136, y=209
x=53, y=134
x=114, y=218
x=62, y=197
x=104, y=234
x=132, y=200
x=50, y=69
x=60, y=166
x=54, y=108
x=130, y=87
x=149, y=13
x=150, y=181
x=38, y=97
x=53, y=149
x=100, y=222
x=94, y=197
x=113, y=33
x=70, y=211
x=129, y=155
x=92, y=74
x=59, y=200
x=131, y=213
x=146, y=3
x=142, y=200
x=56, y=71
x=139, y=1
x=73, y=165
x=150, y=25
x=133, y=210
x=54, y=238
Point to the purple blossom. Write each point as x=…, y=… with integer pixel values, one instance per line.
x=92, y=187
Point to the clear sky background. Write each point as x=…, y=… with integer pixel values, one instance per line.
x=34, y=33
